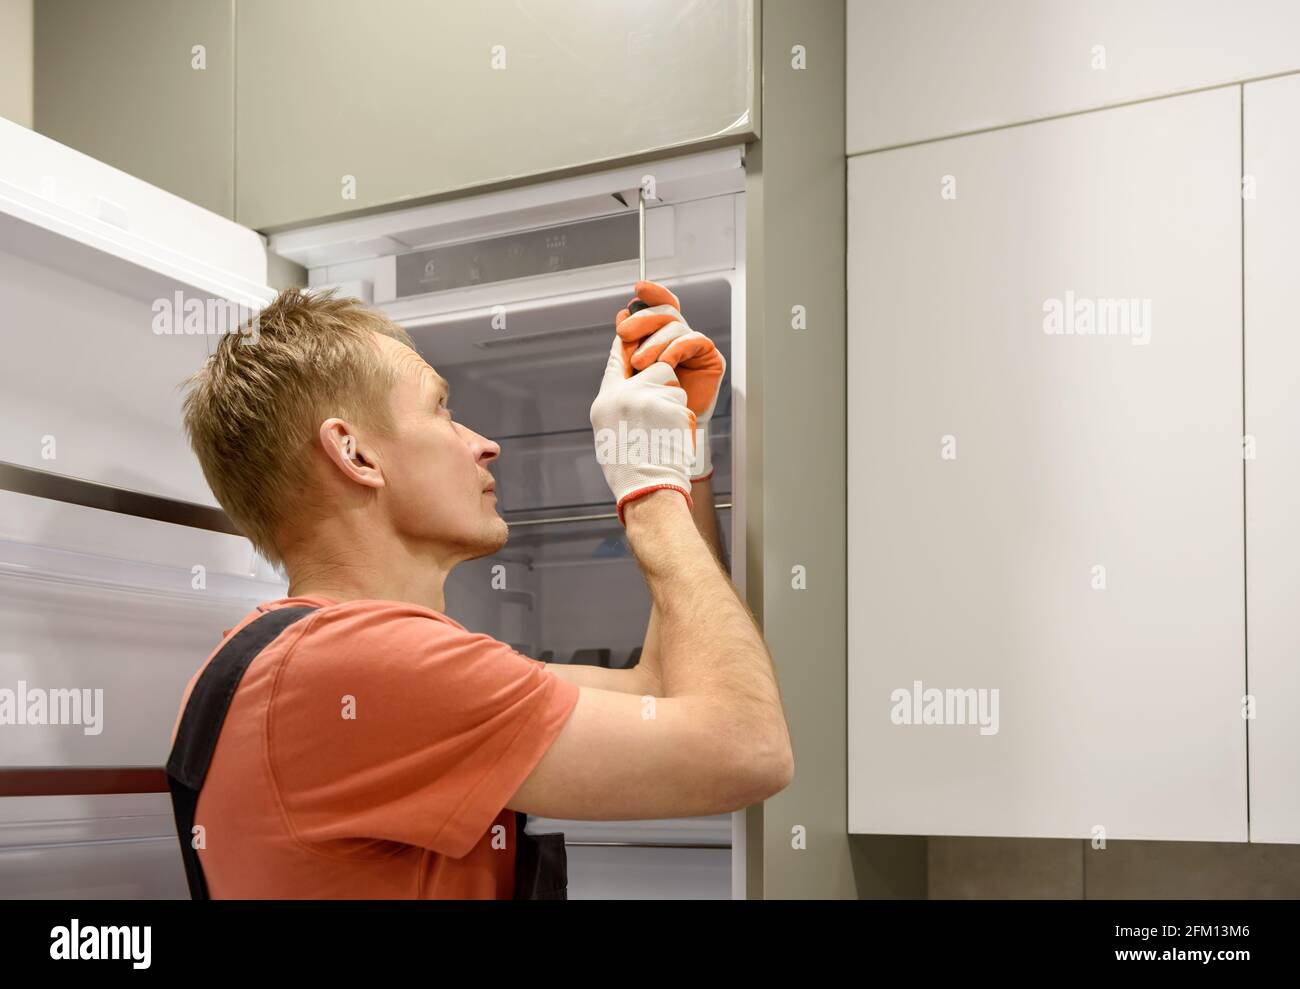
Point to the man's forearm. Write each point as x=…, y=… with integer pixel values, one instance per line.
x=708, y=643
x=705, y=514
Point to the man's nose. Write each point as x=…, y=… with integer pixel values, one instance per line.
x=485, y=450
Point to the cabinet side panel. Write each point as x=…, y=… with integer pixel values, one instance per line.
x=1272, y=271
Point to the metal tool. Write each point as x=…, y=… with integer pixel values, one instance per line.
x=637, y=305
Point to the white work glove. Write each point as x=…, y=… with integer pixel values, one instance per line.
x=663, y=336
x=643, y=429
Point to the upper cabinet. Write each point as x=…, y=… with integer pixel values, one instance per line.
x=347, y=105
x=147, y=86
x=1271, y=198
x=965, y=65
x=1045, y=536
x=282, y=112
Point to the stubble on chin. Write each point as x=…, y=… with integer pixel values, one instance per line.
x=492, y=538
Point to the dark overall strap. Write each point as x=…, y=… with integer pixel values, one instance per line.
x=541, y=864
x=201, y=723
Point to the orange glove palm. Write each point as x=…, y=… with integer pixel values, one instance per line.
x=660, y=334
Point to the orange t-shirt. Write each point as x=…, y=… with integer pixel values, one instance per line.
x=369, y=752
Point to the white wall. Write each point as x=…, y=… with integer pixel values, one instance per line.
x=16, y=61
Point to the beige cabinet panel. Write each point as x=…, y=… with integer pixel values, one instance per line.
x=965, y=65
x=16, y=53
x=345, y=105
x=120, y=80
x=1272, y=259
x=1045, y=480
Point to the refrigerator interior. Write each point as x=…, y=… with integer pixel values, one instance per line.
x=565, y=588
x=578, y=586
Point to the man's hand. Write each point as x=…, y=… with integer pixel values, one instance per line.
x=660, y=334
x=643, y=429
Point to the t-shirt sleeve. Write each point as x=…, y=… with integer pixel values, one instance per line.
x=389, y=723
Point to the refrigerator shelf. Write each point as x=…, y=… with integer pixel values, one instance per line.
x=585, y=432
x=31, y=561
x=71, y=490
x=721, y=506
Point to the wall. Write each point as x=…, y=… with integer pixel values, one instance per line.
x=16, y=61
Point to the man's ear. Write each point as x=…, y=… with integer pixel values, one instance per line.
x=355, y=459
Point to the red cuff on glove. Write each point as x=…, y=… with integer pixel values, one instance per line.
x=633, y=495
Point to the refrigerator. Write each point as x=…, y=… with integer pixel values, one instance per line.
x=119, y=572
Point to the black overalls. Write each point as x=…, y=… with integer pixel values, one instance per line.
x=541, y=866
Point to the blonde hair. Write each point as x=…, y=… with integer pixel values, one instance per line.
x=253, y=410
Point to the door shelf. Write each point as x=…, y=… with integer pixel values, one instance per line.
x=30, y=561
x=105, y=226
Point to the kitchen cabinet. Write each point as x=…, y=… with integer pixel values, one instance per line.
x=295, y=111
x=1045, y=479
x=345, y=105
x=147, y=86
x=967, y=65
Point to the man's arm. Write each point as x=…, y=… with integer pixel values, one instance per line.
x=637, y=680
x=717, y=738
x=704, y=512
x=715, y=742
x=644, y=678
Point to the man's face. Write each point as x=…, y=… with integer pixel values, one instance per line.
x=437, y=485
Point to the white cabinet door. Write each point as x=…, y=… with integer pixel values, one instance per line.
x=966, y=65
x=1272, y=273
x=1052, y=516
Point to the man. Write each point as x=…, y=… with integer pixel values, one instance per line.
x=377, y=748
